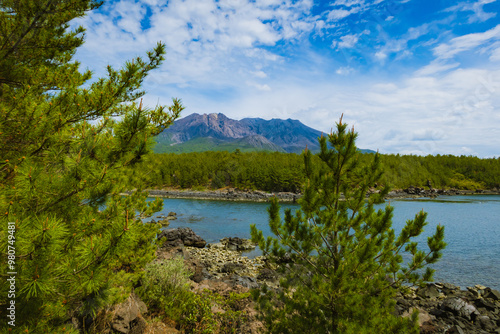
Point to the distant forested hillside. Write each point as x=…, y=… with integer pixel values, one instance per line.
x=274, y=171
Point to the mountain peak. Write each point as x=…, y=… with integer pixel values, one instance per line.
x=216, y=131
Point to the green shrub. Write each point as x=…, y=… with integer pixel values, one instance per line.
x=165, y=283
x=166, y=288
x=197, y=316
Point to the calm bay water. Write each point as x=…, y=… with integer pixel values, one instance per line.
x=472, y=229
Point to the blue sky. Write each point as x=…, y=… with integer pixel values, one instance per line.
x=412, y=76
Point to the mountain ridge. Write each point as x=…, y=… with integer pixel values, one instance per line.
x=215, y=132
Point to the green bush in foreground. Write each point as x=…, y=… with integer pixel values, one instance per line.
x=166, y=288
x=346, y=262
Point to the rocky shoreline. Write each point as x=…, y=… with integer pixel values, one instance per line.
x=221, y=268
x=229, y=194
x=235, y=194
x=442, y=307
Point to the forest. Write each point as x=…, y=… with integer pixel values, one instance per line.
x=275, y=171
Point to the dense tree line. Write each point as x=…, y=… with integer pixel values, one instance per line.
x=273, y=171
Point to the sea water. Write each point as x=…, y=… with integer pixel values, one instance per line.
x=472, y=229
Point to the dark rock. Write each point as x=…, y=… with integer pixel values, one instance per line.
x=486, y=304
x=423, y=316
x=486, y=323
x=198, y=269
x=126, y=312
x=474, y=292
x=231, y=267
x=244, y=281
x=493, y=294
x=455, y=330
x=138, y=326
x=164, y=222
x=237, y=244
x=428, y=291
x=459, y=307
x=438, y=312
x=183, y=234
x=447, y=287
x=171, y=216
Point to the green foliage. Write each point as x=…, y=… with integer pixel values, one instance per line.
x=210, y=144
x=285, y=171
x=166, y=287
x=65, y=143
x=347, y=262
x=165, y=282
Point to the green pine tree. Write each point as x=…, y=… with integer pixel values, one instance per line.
x=64, y=142
x=345, y=262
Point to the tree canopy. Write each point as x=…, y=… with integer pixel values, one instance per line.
x=65, y=140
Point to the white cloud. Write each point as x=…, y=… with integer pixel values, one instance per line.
x=338, y=14
x=260, y=87
x=399, y=46
x=436, y=66
x=345, y=70
x=495, y=55
x=221, y=58
x=381, y=56
x=418, y=115
x=349, y=3
x=260, y=74
x=207, y=41
x=466, y=43
x=479, y=15
x=347, y=41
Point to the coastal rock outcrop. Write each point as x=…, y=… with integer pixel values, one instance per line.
x=237, y=244
x=221, y=263
x=181, y=236
x=127, y=316
x=445, y=308
x=442, y=307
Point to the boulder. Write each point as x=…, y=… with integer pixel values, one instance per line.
x=423, y=315
x=231, y=267
x=455, y=330
x=171, y=216
x=244, y=281
x=493, y=294
x=486, y=323
x=237, y=244
x=428, y=291
x=125, y=315
x=460, y=308
x=183, y=235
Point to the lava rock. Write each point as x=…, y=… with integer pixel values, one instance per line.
x=126, y=313
x=183, y=234
x=429, y=291
x=231, y=267
x=237, y=244
x=460, y=308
